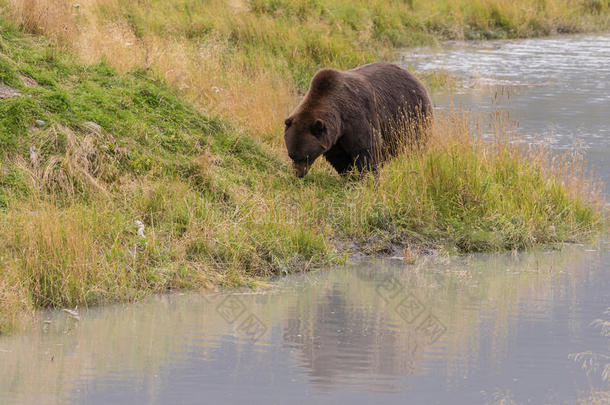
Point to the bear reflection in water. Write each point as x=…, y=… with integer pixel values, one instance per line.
x=337, y=338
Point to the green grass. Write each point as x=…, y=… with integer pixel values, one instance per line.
x=248, y=60
x=68, y=235
x=219, y=202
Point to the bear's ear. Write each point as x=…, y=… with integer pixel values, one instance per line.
x=318, y=128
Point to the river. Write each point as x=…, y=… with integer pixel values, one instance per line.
x=475, y=329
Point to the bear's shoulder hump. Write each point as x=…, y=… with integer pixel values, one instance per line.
x=325, y=80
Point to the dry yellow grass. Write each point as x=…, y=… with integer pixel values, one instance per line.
x=248, y=60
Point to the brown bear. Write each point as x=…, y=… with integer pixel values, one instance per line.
x=357, y=118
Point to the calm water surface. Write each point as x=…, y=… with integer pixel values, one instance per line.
x=479, y=329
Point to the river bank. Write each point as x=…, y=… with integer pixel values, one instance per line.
x=509, y=328
x=130, y=189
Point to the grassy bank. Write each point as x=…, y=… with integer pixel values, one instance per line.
x=119, y=141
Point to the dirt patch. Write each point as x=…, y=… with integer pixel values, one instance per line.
x=8, y=92
x=28, y=81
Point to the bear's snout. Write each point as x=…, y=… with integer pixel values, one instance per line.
x=301, y=167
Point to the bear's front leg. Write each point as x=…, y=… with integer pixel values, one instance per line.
x=339, y=159
x=365, y=162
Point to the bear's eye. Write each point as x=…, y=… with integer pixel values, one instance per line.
x=288, y=122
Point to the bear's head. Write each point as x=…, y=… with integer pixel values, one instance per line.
x=314, y=127
x=307, y=136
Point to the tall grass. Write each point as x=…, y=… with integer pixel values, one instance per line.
x=477, y=195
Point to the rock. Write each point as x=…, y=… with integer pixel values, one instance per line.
x=72, y=314
x=140, y=226
x=93, y=126
x=33, y=156
x=40, y=123
x=8, y=91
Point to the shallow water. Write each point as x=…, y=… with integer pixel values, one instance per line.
x=470, y=330
x=556, y=89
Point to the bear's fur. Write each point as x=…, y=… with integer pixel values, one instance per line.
x=357, y=118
